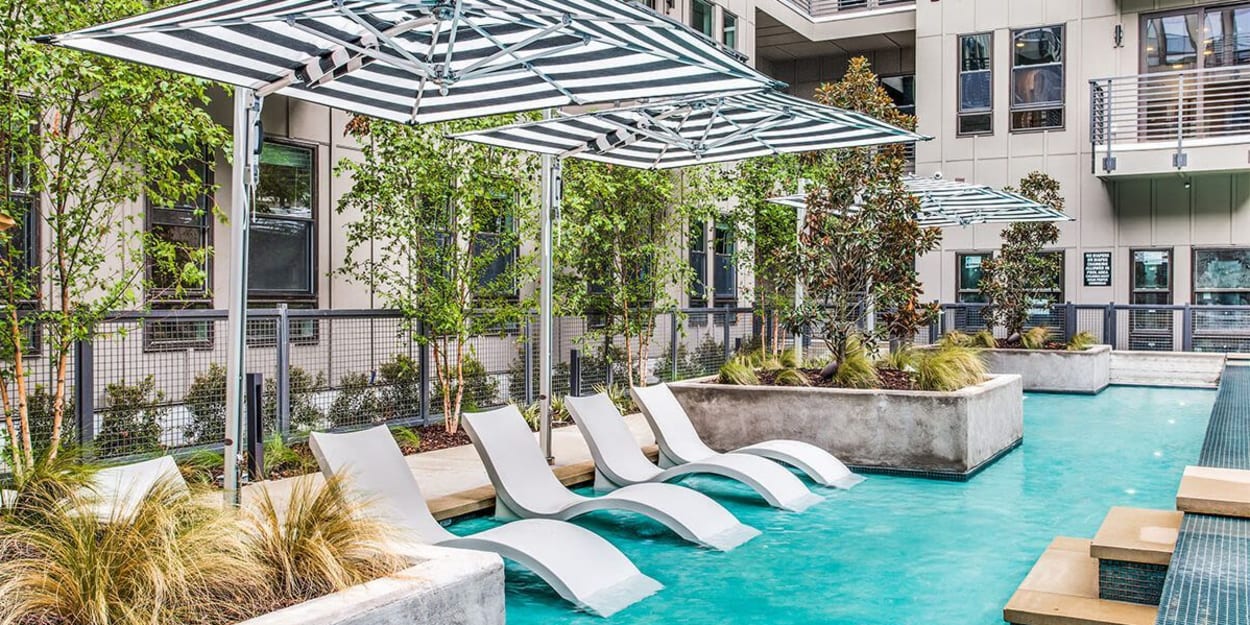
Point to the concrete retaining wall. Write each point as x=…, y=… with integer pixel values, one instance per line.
x=1055, y=371
x=447, y=587
x=910, y=430
x=1185, y=369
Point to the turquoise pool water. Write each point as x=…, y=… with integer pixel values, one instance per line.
x=900, y=550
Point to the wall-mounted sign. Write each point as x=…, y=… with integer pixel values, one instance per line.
x=1097, y=268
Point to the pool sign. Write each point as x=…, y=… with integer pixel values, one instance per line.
x=1097, y=268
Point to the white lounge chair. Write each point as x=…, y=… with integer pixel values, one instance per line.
x=679, y=442
x=525, y=487
x=115, y=492
x=583, y=568
x=619, y=461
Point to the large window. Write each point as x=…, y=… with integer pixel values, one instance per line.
x=1037, y=78
x=701, y=13
x=698, y=264
x=493, y=244
x=1152, y=277
x=902, y=90
x=1222, y=277
x=186, y=224
x=725, y=267
x=968, y=277
x=729, y=30
x=22, y=249
x=976, y=84
x=282, y=259
x=1196, y=38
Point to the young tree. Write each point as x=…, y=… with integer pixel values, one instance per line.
x=1016, y=279
x=84, y=139
x=438, y=238
x=619, y=229
x=858, y=248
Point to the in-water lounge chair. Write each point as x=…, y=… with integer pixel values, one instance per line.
x=525, y=487
x=582, y=567
x=619, y=462
x=679, y=442
x=115, y=493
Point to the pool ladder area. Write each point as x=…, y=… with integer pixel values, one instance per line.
x=1113, y=579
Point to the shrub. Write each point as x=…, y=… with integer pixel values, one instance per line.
x=356, y=403
x=789, y=359
x=408, y=439
x=305, y=415
x=1082, y=341
x=955, y=337
x=707, y=355
x=281, y=459
x=738, y=371
x=949, y=368
x=206, y=401
x=480, y=388
x=983, y=339
x=902, y=359
x=620, y=397
x=173, y=561
x=131, y=419
x=1035, y=338
x=322, y=541
x=400, y=388
x=201, y=466
x=791, y=377
x=516, y=376
x=856, y=369
x=39, y=409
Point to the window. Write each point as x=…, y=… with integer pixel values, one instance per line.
x=698, y=263
x=1222, y=277
x=281, y=261
x=494, y=245
x=1152, y=277
x=902, y=89
x=725, y=269
x=187, y=225
x=1037, y=78
x=729, y=30
x=976, y=84
x=968, y=278
x=264, y=332
x=701, y=17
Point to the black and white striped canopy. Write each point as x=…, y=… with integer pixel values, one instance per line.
x=697, y=129
x=946, y=203
x=427, y=60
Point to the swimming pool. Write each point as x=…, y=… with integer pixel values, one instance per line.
x=902, y=550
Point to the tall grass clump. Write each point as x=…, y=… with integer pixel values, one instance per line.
x=321, y=542
x=171, y=561
x=1035, y=338
x=1082, y=341
x=856, y=369
x=949, y=368
x=983, y=339
x=738, y=371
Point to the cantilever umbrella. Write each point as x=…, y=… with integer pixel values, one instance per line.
x=412, y=61
x=946, y=203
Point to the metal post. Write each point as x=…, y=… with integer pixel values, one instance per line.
x=84, y=390
x=1110, y=329
x=575, y=372
x=935, y=327
x=725, y=341
x=1187, y=331
x=284, y=371
x=672, y=345
x=1069, y=321
x=527, y=367
x=247, y=106
x=551, y=200
x=255, y=440
x=423, y=375
x=799, y=295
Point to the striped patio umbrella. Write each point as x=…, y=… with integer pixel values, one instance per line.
x=697, y=129
x=945, y=203
x=413, y=61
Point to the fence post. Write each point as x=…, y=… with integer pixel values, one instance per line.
x=284, y=372
x=255, y=435
x=725, y=342
x=527, y=354
x=575, y=373
x=84, y=389
x=1187, y=332
x=672, y=345
x=935, y=326
x=423, y=368
x=1069, y=321
x=1111, y=329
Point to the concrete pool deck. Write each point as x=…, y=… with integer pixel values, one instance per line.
x=454, y=480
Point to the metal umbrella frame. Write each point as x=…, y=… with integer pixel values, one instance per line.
x=411, y=61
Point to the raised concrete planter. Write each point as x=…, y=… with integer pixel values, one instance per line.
x=943, y=435
x=446, y=587
x=1183, y=369
x=1087, y=371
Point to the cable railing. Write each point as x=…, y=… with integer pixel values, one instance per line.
x=825, y=8
x=1174, y=110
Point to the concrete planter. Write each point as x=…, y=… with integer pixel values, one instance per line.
x=945, y=435
x=1054, y=371
x=446, y=587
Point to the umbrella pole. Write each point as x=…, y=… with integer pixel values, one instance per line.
x=246, y=112
x=551, y=199
x=798, y=280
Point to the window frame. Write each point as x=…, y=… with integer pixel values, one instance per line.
x=1134, y=290
x=1200, y=11
x=960, y=114
x=204, y=293
x=1193, y=270
x=959, y=274
x=721, y=298
x=276, y=296
x=696, y=291
x=32, y=232
x=1013, y=108
x=726, y=29
x=711, y=18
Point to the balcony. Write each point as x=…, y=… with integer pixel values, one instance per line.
x=834, y=20
x=1183, y=122
x=817, y=9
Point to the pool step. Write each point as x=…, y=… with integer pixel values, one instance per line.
x=1062, y=589
x=1210, y=490
x=1133, y=548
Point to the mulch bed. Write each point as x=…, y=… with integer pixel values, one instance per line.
x=891, y=379
x=1016, y=344
x=435, y=437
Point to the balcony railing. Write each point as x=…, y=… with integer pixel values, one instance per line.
x=825, y=8
x=1169, y=110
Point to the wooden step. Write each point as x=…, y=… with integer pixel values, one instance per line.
x=1137, y=535
x=1062, y=589
x=1209, y=490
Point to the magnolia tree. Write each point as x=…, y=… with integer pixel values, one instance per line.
x=857, y=250
x=1018, y=277
x=438, y=235
x=85, y=138
x=618, y=229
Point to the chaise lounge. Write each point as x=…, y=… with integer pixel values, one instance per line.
x=526, y=488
